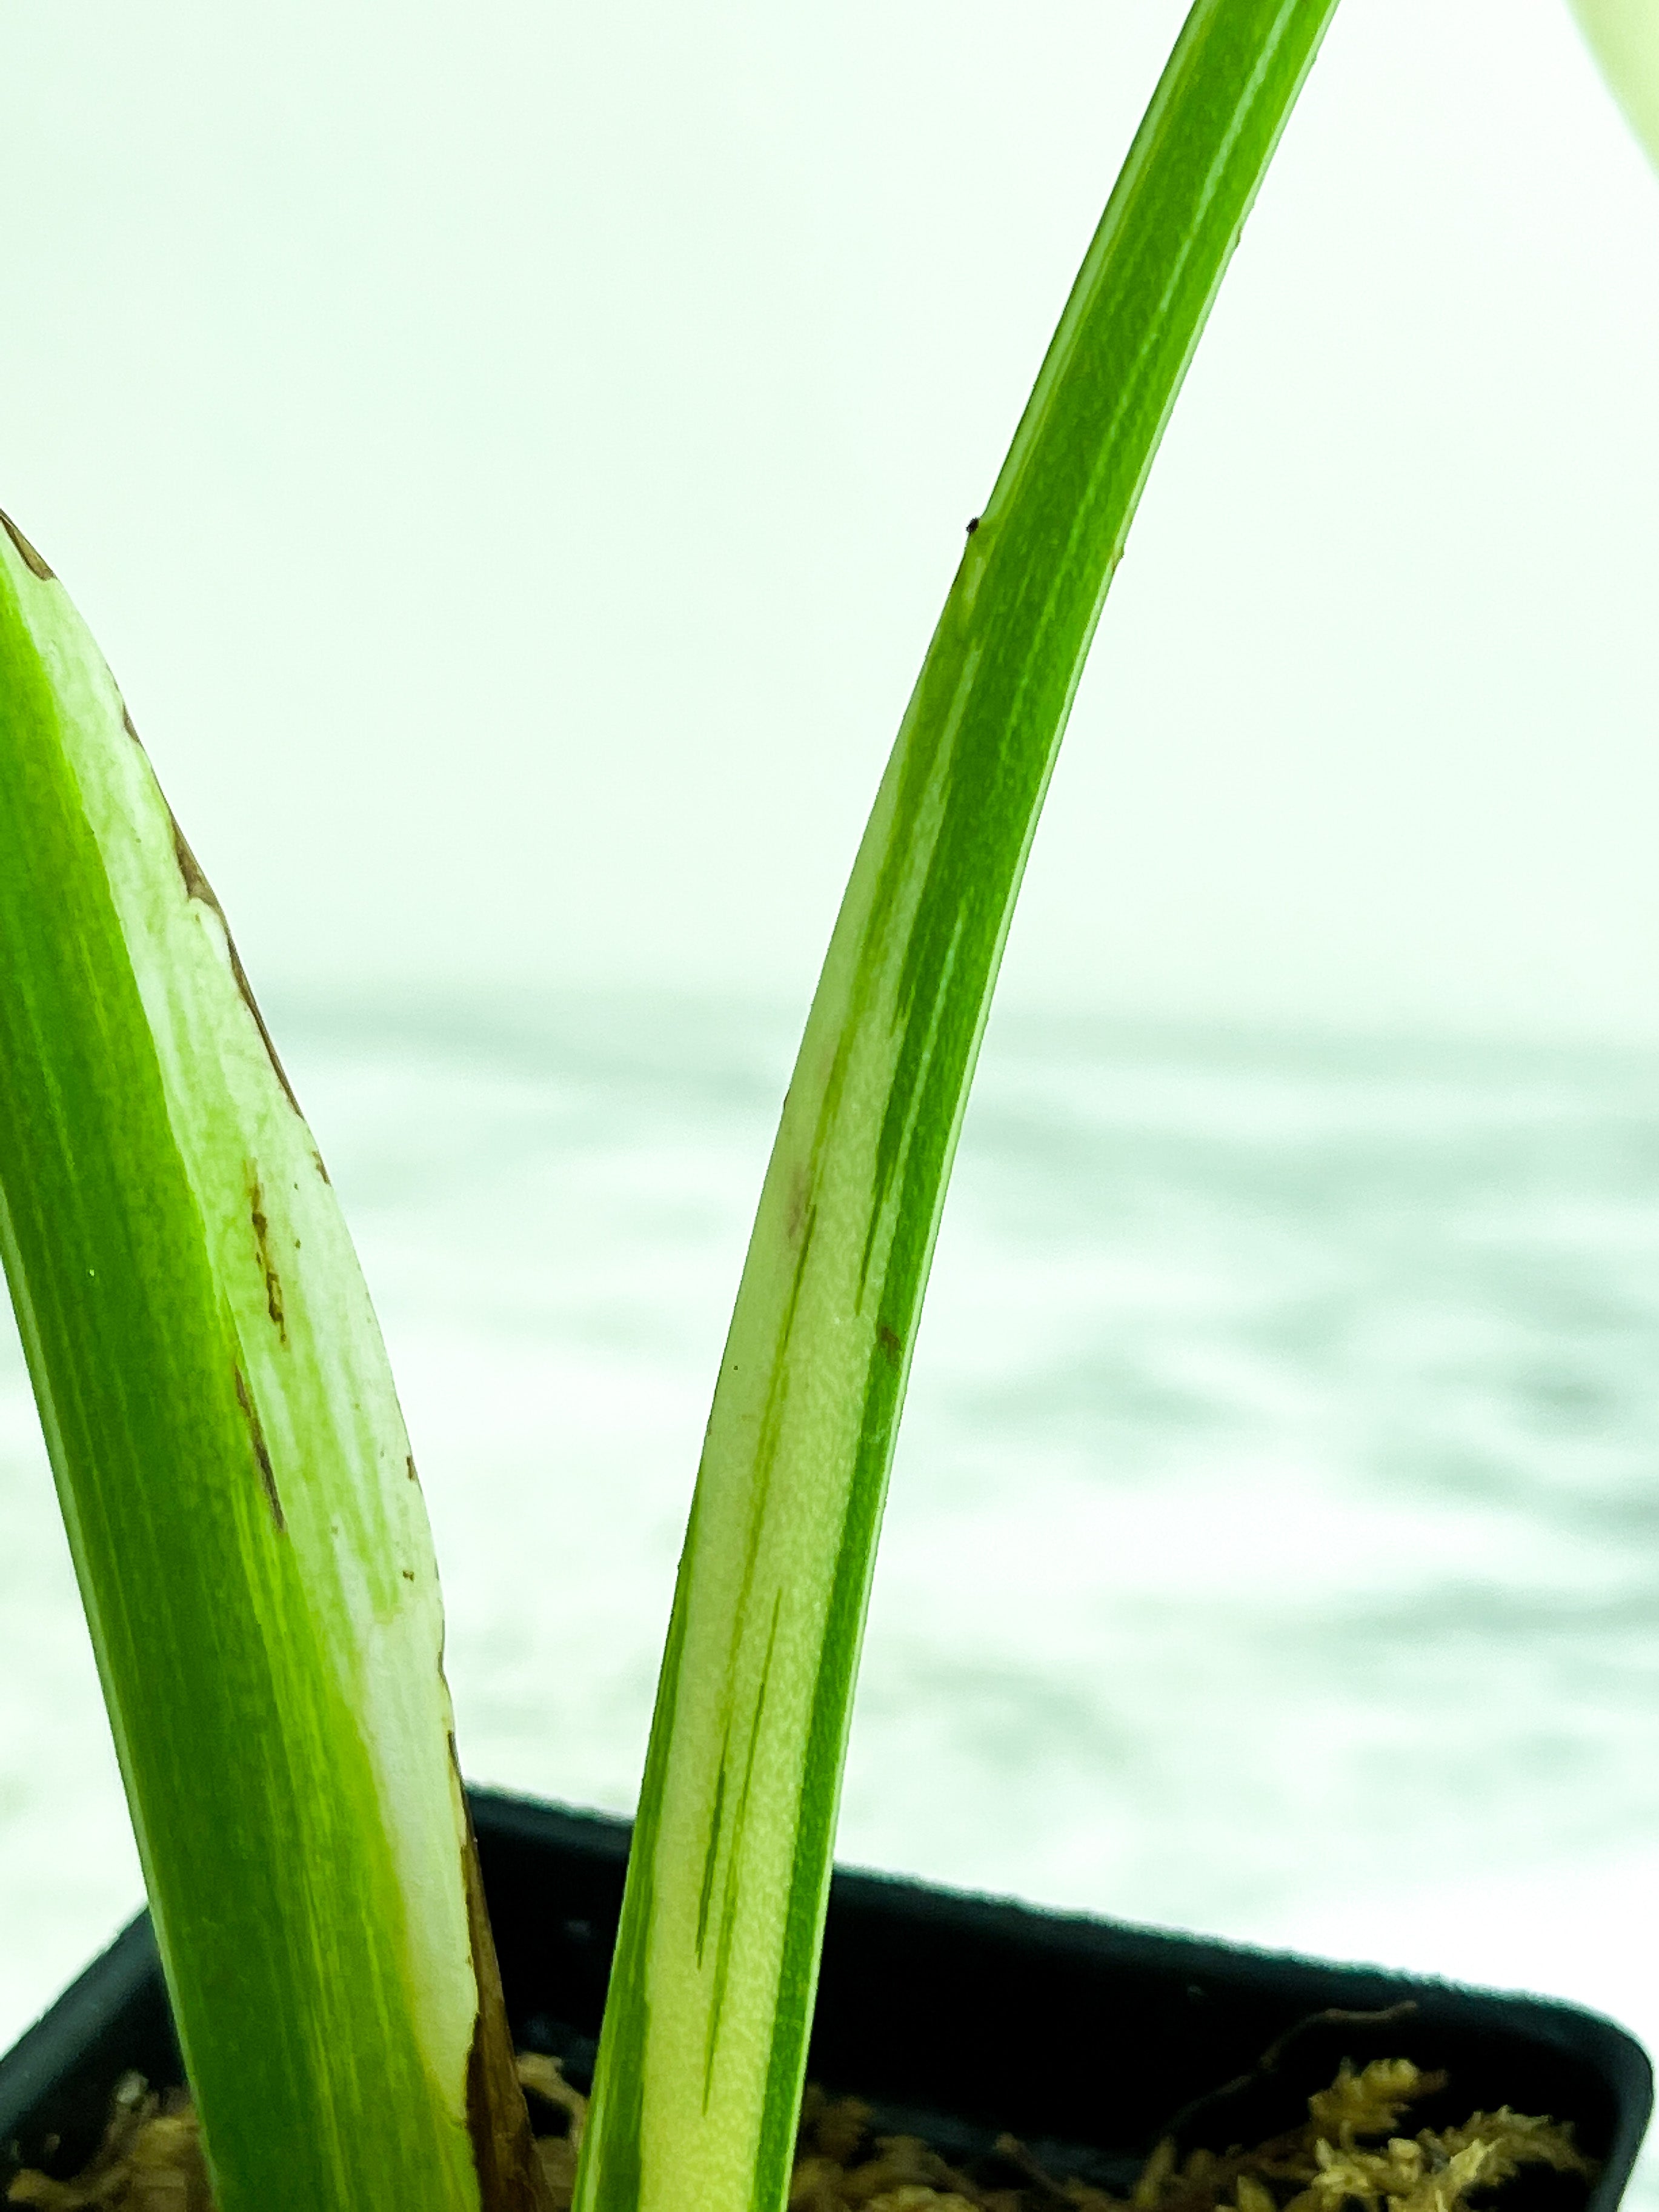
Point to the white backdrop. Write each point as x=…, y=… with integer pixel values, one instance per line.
x=514, y=457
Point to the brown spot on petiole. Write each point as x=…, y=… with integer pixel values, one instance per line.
x=510, y=2177
x=889, y=1342
x=262, y=1239
x=32, y=560
x=197, y=887
x=256, y=1438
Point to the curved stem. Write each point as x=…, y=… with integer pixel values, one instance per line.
x=701, y=2066
x=249, y=1537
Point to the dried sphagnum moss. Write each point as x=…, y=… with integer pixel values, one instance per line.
x=1347, y=2152
x=1320, y=2167
x=150, y=2160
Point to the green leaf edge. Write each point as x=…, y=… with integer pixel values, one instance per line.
x=236, y=1479
x=855, y=1187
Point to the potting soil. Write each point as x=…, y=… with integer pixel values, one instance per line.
x=1347, y=2152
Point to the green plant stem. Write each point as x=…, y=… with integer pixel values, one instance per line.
x=249, y=1536
x=700, y=2067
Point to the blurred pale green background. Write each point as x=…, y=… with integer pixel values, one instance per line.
x=513, y=457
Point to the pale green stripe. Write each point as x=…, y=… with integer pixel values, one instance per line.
x=790, y=1491
x=234, y=1474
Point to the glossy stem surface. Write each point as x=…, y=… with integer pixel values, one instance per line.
x=701, y=2066
x=249, y=1536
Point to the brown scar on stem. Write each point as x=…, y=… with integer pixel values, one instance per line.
x=130, y=726
x=408, y=1462
x=510, y=2175
x=889, y=1342
x=257, y=1436
x=197, y=887
x=32, y=560
x=262, y=1238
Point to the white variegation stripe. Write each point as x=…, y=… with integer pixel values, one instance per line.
x=333, y=1575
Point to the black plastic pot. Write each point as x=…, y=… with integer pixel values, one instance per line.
x=957, y=2017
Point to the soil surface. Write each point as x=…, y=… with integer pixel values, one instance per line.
x=1349, y=2151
